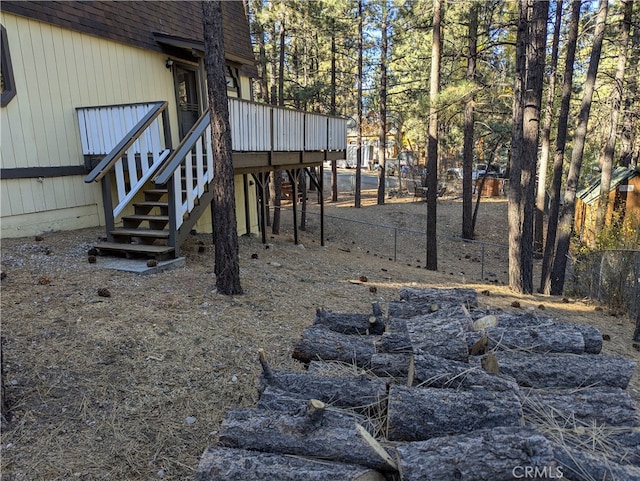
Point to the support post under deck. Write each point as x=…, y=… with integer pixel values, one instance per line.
x=293, y=177
x=247, y=211
x=321, y=193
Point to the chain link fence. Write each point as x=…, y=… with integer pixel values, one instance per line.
x=483, y=261
x=611, y=277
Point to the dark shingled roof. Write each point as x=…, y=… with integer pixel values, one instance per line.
x=135, y=22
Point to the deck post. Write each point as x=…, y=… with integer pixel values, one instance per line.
x=302, y=182
x=107, y=201
x=247, y=212
x=321, y=193
x=173, y=221
x=263, y=207
x=293, y=174
x=166, y=126
x=260, y=179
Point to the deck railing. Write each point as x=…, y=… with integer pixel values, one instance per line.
x=136, y=151
x=133, y=139
x=266, y=128
x=254, y=128
x=188, y=171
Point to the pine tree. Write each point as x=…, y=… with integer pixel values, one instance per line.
x=225, y=231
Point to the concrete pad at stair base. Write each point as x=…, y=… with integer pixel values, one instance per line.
x=138, y=266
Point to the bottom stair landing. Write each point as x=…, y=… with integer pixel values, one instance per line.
x=136, y=251
x=139, y=266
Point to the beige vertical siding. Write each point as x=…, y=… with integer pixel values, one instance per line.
x=204, y=224
x=55, y=72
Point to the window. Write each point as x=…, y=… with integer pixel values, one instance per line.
x=7, y=84
x=232, y=79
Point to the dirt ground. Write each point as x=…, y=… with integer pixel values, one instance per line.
x=133, y=386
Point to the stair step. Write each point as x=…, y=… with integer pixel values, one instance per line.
x=142, y=217
x=155, y=233
x=151, y=203
x=152, y=195
x=159, y=252
x=156, y=191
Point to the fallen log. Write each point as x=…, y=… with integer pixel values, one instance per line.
x=561, y=337
x=552, y=338
x=416, y=414
x=456, y=295
x=627, y=446
x=339, y=392
x=228, y=464
x=274, y=399
x=345, y=323
x=416, y=302
x=335, y=368
x=591, y=335
x=557, y=370
x=282, y=401
x=524, y=319
x=499, y=454
x=620, y=444
x=391, y=365
x=317, y=433
x=452, y=312
x=395, y=339
x=440, y=335
x=319, y=343
x=583, y=406
x=437, y=372
x=581, y=465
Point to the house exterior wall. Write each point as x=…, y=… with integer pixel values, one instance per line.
x=204, y=225
x=623, y=199
x=57, y=70
x=632, y=211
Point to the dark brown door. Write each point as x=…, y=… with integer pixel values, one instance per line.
x=187, y=97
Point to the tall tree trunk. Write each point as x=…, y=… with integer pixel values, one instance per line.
x=276, y=178
x=469, y=119
x=565, y=227
x=334, y=110
x=261, y=64
x=538, y=241
x=273, y=74
x=517, y=148
x=536, y=54
x=631, y=110
x=432, y=146
x=480, y=187
x=225, y=230
x=561, y=140
x=295, y=74
x=281, y=62
x=616, y=99
x=383, y=104
x=360, y=119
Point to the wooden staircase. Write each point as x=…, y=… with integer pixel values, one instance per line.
x=145, y=233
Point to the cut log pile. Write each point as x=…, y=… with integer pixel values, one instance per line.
x=436, y=389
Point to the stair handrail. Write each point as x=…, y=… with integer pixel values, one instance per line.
x=186, y=144
x=106, y=164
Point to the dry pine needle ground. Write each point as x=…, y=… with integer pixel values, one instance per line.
x=133, y=385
